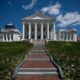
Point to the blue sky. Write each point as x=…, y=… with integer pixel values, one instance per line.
x=67, y=12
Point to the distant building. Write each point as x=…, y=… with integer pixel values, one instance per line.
x=67, y=35
x=10, y=33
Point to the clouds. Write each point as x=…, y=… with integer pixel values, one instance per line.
x=53, y=10
x=30, y=6
x=64, y=20
x=71, y=18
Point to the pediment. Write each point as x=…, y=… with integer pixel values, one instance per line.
x=37, y=16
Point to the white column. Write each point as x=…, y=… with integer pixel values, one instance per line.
x=70, y=36
x=3, y=37
x=23, y=31
x=51, y=34
x=60, y=36
x=10, y=36
x=63, y=35
x=54, y=32
x=67, y=36
x=35, y=31
x=29, y=30
x=41, y=31
x=6, y=37
x=75, y=37
x=47, y=30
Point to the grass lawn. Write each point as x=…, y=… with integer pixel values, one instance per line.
x=67, y=55
x=11, y=54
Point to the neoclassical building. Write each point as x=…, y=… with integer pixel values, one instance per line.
x=67, y=35
x=9, y=34
x=39, y=27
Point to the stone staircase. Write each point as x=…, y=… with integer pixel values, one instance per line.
x=37, y=66
x=38, y=41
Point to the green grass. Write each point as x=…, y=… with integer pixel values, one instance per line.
x=67, y=55
x=11, y=54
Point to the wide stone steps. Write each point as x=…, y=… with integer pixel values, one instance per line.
x=37, y=70
x=38, y=56
x=37, y=77
x=37, y=66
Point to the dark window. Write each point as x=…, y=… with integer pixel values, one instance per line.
x=44, y=37
x=5, y=36
x=32, y=29
x=26, y=36
x=71, y=38
x=32, y=36
x=39, y=29
x=39, y=37
x=44, y=29
x=27, y=29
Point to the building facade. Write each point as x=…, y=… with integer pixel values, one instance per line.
x=67, y=35
x=9, y=33
x=39, y=27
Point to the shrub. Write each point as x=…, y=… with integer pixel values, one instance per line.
x=67, y=55
x=11, y=54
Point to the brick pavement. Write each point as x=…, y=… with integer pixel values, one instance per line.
x=37, y=66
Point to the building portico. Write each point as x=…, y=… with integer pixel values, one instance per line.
x=38, y=27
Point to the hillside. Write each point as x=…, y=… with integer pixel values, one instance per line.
x=11, y=54
x=67, y=55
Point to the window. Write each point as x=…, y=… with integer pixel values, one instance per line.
x=4, y=36
x=44, y=29
x=32, y=36
x=39, y=29
x=44, y=37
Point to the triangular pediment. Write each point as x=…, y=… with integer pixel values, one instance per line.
x=37, y=16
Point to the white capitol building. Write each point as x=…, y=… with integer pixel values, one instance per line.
x=38, y=27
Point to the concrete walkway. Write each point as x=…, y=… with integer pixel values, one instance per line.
x=37, y=66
